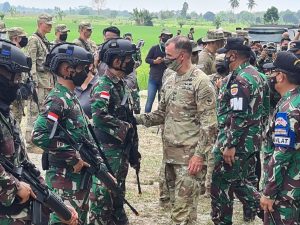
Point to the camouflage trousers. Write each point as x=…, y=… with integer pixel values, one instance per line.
x=164, y=190
x=67, y=185
x=33, y=112
x=106, y=208
x=227, y=181
x=209, y=169
x=22, y=218
x=285, y=213
x=186, y=190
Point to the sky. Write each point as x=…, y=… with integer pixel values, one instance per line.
x=200, y=6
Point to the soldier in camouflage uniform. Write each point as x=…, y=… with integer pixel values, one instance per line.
x=37, y=49
x=240, y=115
x=61, y=33
x=62, y=107
x=14, y=193
x=222, y=71
x=214, y=40
x=187, y=112
x=131, y=79
x=85, y=31
x=206, y=62
x=108, y=97
x=3, y=30
x=281, y=197
x=18, y=36
x=108, y=34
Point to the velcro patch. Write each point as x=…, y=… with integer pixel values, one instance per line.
x=105, y=95
x=282, y=141
x=234, y=89
x=237, y=104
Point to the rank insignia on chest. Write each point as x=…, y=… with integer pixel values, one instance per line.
x=284, y=136
x=234, y=89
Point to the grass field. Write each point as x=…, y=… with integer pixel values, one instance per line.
x=148, y=34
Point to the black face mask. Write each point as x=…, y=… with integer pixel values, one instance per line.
x=272, y=82
x=79, y=78
x=284, y=48
x=23, y=42
x=63, y=37
x=8, y=92
x=129, y=67
x=164, y=39
x=227, y=63
x=222, y=69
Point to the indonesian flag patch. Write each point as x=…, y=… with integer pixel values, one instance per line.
x=52, y=116
x=105, y=95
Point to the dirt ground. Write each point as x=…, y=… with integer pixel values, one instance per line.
x=147, y=203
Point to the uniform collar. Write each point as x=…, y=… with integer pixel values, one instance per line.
x=64, y=89
x=112, y=77
x=241, y=67
x=186, y=75
x=294, y=91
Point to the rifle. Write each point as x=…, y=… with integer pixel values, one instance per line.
x=131, y=142
x=89, y=155
x=27, y=172
x=32, y=87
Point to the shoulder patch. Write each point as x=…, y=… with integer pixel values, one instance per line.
x=105, y=95
x=234, y=89
x=284, y=136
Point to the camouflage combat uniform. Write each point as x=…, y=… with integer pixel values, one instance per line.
x=62, y=105
x=207, y=62
x=282, y=161
x=132, y=84
x=240, y=113
x=12, y=148
x=106, y=98
x=187, y=112
x=88, y=45
x=164, y=191
x=37, y=49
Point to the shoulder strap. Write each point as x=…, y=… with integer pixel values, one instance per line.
x=45, y=43
x=85, y=45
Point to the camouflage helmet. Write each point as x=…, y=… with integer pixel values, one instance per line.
x=13, y=59
x=116, y=47
x=67, y=52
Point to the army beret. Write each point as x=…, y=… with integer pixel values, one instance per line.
x=238, y=44
x=286, y=62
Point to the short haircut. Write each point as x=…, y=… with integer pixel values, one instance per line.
x=244, y=54
x=293, y=78
x=181, y=43
x=112, y=29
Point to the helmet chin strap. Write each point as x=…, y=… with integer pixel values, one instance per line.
x=122, y=62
